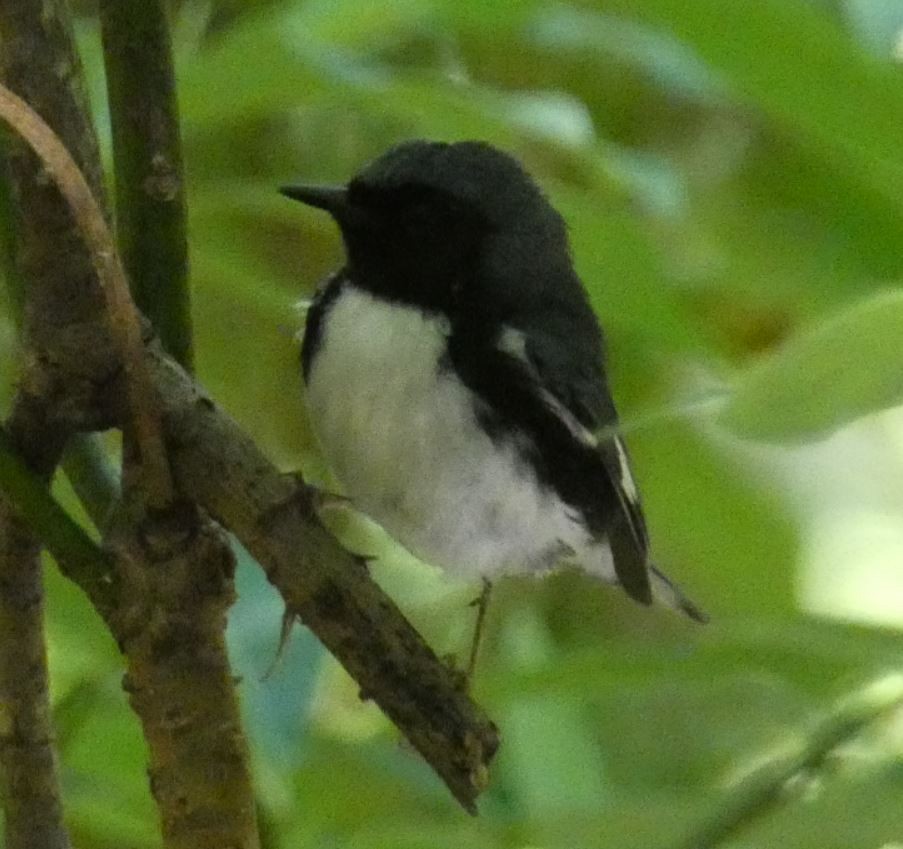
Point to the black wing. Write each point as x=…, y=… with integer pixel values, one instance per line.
x=552, y=390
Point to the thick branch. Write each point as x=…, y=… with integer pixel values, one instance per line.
x=219, y=467
x=176, y=589
x=28, y=776
x=62, y=301
x=150, y=199
x=176, y=580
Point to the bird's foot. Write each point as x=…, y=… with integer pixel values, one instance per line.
x=321, y=499
x=481, y=603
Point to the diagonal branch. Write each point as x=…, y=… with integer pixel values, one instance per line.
x=80, y=559
x=218, y=466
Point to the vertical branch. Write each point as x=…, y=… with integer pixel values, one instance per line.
x=61, y=295
x=176, y=589
x=125, y=324
x=28, y=773
x=28, y=770
x=150, y=199
x=177, y=576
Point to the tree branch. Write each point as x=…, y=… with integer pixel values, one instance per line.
x=52, y=259
x=176, y=589
x=124, y=321
x=80, y=559
x=176, y=564
x=150, y=199
x=28, y=773
x=61, y=300
x=219, y=467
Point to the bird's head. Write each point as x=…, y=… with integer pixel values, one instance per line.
x=418, y=221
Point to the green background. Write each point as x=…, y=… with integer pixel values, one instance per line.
x=732, y=177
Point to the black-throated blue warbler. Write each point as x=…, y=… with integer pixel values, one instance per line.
x=455, y=374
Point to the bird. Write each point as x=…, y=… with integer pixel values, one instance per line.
x=455, y=376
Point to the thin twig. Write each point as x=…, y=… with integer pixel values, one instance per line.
x=79, y=557
x=124, y=321
x=481, y=602
x=766, y=786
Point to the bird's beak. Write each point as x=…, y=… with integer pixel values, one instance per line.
x=334, y=199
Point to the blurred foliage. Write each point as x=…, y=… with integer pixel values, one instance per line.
x=731, y=174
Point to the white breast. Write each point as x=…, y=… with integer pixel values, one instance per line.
x=402, y=436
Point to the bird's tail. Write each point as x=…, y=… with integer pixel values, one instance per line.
x=666, y=592
x=626, y=564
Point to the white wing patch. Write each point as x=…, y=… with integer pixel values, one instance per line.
x=514, y=343
x=627, y=483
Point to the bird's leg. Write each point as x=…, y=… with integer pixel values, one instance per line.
x=481, y=602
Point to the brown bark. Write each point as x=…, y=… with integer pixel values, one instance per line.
x=29, y=784
x=176, y=580
x=60, y=300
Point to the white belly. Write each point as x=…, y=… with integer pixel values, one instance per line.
x=401, y=435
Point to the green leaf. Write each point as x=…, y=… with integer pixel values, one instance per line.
x=848, y=367
x=801, y=69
